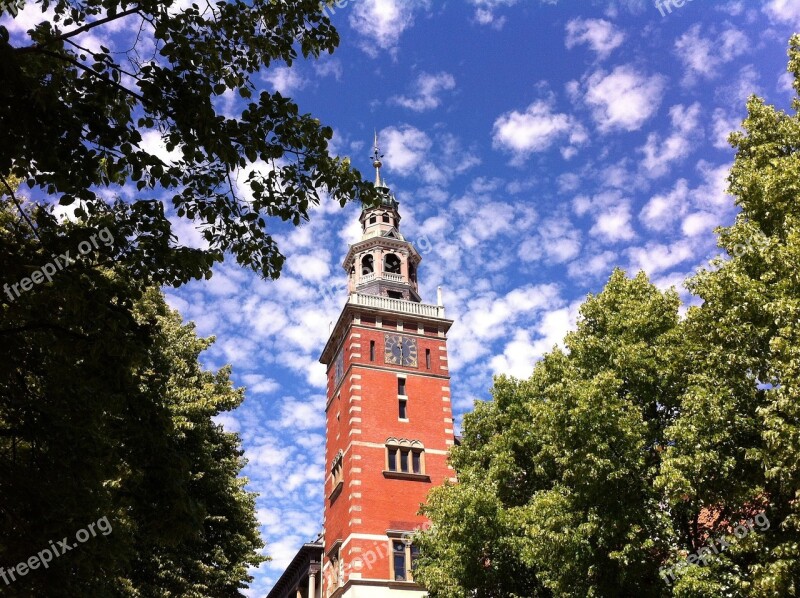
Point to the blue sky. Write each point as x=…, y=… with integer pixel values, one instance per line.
x=533, y=146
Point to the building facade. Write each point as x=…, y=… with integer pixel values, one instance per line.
x=389, y=423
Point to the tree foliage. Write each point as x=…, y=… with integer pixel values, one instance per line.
x=650, y=435
x=106, y=412
x=74, y=119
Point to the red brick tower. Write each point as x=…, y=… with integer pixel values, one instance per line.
x=389, y=421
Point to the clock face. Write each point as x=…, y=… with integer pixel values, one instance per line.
x=401, y=350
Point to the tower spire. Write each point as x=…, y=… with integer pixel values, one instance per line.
x=376, y=161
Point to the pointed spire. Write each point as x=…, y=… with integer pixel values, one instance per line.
x=376, y=161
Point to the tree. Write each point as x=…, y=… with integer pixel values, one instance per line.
x=556, y=494
x=73, y=120
x=625, y=458
x=105, y=412
x=737, y=440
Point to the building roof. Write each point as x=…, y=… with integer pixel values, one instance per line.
x=297, y=569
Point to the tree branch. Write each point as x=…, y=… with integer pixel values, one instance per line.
x=78, y=31
x=72, y=61
x=17, y=203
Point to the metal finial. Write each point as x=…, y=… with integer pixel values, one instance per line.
x=376, y=161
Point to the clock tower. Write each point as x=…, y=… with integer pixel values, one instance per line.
x=389, y=419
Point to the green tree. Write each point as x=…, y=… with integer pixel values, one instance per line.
x=556, y=494
x=737, y=440
x=105, y=412
x=73, y=119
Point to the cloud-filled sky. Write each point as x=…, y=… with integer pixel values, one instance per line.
x=533, y=145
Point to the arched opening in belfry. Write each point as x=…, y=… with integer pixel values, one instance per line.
x=367, y=265
x=412, y=272
x=392, y=264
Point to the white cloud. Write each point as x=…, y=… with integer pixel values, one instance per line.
x=662, y=210
x=741, y=88
x=784, y=11
x=260, y=384
x=623, y=99
x=660, y=154
x=611, y=212
x=535, y=130
x=324, y=67
x=485, y=11
x=702, y=56
x=382, y=22
x=302, y=415
x=557, y=241
x=786, y=83
x=596, y=265
x=410, y=151
x=723, y=124
x=405, y=148
x=427, y=89
x=488, y=316
x=285, y=80
x=313, y=267
x=654, y=258
x=699, y=223
x=600, y=35
x=613, y=224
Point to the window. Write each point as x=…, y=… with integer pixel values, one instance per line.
x=395, y=294
x=404, y=559
x=405, y=456
x=386, y=218
x=401, y=386
x=399, y=553
x=391, y=264
x=373, y=220
x=372, y=350
x=337, y=477
x=337, y=565
x=403, y=409
x=428, y=358
x=367, y=265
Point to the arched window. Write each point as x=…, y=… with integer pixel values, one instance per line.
x=367, y=265
x=405, y=456
x=412, y=272
x=391, y=264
